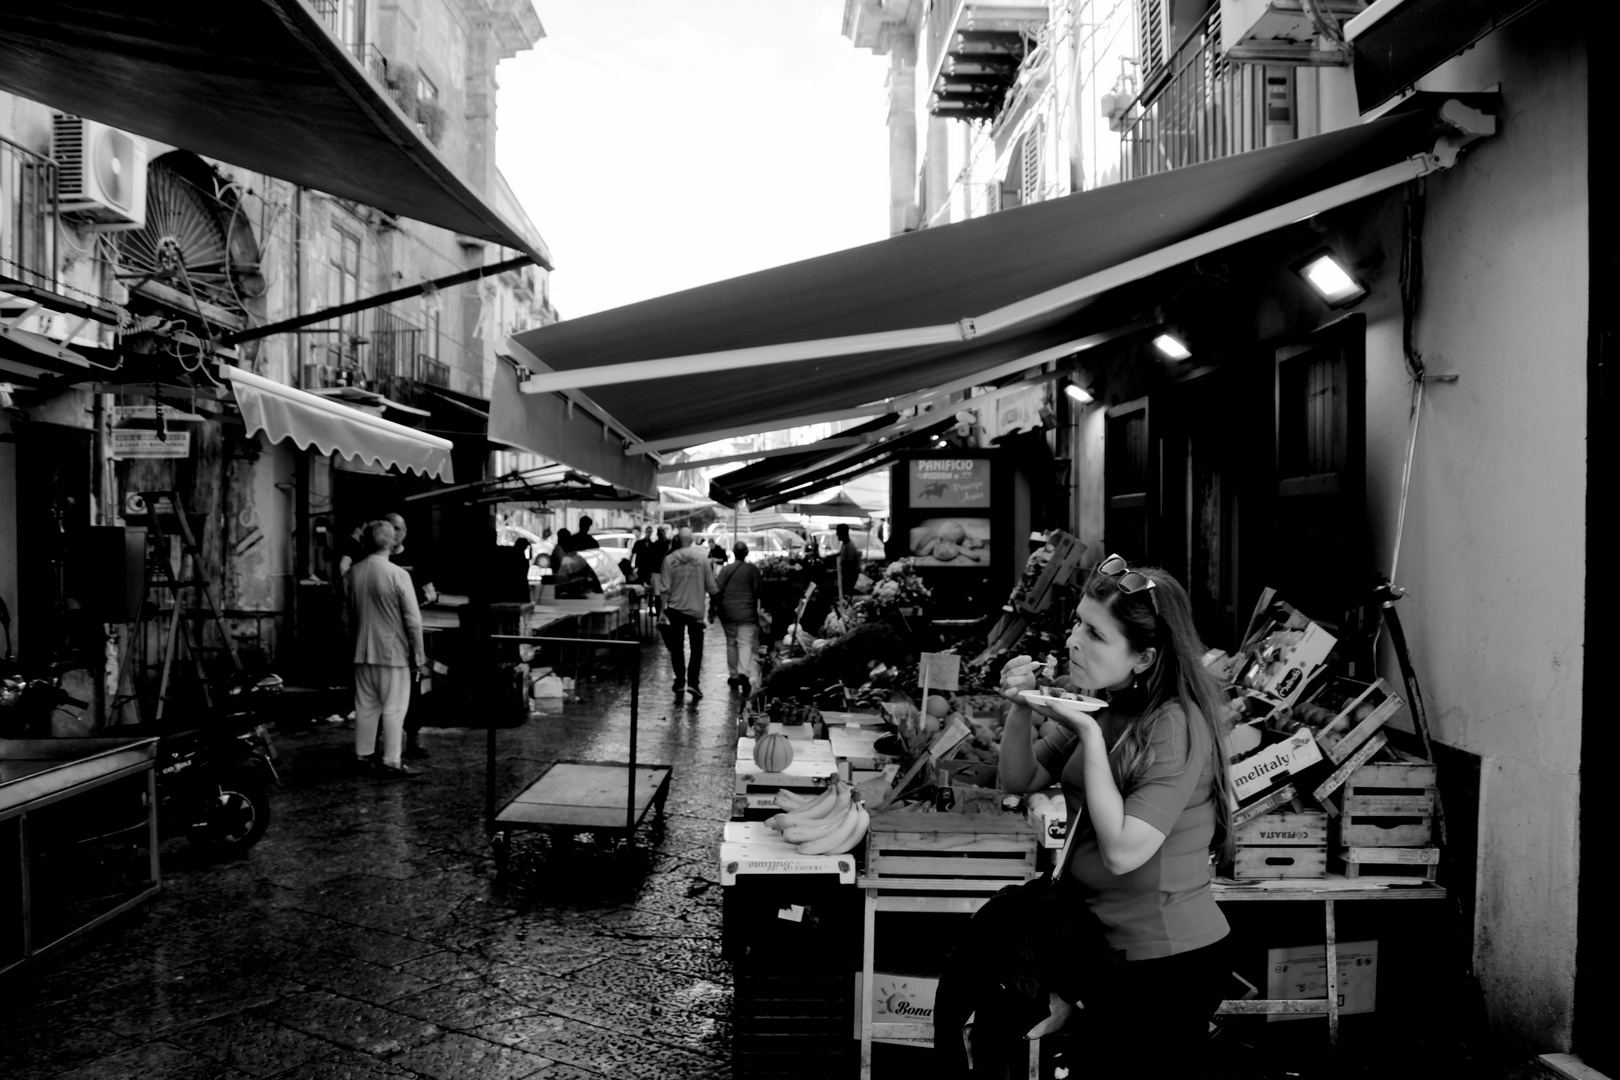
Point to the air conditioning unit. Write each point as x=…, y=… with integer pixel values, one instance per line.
x=101, y=173
x=1281, y=31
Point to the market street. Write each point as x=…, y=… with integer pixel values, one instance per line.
x=367, y=934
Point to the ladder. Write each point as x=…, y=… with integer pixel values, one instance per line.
x=177, y=621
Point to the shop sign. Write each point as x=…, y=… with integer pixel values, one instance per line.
x=960, y=482
x=1258, y=771
x=145, y=443
x=171, y=415
x=1018, y=411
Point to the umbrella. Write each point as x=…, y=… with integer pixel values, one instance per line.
x=840, y=505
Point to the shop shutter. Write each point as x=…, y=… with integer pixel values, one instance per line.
x=1321, y=551
x=1128, y=475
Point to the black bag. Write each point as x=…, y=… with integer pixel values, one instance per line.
x=1027, y=941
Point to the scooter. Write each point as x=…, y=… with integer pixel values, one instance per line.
x=214, y=779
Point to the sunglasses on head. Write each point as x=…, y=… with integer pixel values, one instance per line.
x=1128, y=581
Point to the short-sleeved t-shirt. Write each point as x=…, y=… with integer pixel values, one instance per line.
x=1164, y=906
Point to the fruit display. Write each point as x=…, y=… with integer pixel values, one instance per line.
x=831, y=823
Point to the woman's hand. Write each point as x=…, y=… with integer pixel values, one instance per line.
x=1017, y=676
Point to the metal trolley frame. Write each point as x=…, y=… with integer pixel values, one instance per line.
x=576, y=796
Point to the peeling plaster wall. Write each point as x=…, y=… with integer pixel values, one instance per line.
x=1495, y=531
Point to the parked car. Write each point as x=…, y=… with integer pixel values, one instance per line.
x=870, y=547
x=613, y=543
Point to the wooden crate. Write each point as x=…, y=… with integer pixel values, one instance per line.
x=1389, y=805
x=1413, y=862
x=907, y=844
x=1308, y=828
x=812, y=768
x=1280, y=862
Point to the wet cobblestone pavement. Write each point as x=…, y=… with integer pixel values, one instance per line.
x=368, y=934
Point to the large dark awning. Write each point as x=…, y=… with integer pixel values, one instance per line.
x=262, y=84
x=924, y=308
x=730, y=488
x=544, y=424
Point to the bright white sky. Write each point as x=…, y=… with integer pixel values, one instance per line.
x=659, y=144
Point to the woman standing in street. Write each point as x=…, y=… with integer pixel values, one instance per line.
x=1148, y=798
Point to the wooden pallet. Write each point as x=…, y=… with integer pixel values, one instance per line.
x=906, y=844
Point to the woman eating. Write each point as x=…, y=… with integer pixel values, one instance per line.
x=1148, y=798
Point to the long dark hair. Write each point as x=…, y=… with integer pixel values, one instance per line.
x=1161, y=618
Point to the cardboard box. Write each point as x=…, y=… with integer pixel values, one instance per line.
x=1254, y=773
x=897, y=999
x=1297, y=974
x=1281, y=652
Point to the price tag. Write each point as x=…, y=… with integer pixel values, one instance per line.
x=940, y=670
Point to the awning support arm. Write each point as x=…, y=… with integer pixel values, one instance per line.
x=253, y=333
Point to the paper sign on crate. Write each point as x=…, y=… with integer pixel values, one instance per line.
x=1261, y=769
x=898, y=999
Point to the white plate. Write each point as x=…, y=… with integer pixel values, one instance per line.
x=1070, y=707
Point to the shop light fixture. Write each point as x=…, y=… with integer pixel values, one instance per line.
x=1172, y=347
x=1324, y=273
x=1078, y=394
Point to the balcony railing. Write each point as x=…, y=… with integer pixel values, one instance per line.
x=1198, y=108
x=27, y=217
x=388, y=356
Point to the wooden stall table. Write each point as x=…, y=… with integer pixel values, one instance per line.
x=1327, y=892
x=934, y=863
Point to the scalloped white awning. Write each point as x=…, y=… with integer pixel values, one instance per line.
x=284, y=412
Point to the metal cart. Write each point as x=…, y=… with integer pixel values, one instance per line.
x=604, y=797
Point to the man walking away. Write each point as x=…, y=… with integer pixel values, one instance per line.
x=739, y=618
x=381, y=614
x=656, y=553
x=687, y=582
x=583, y=539
x=849, y=564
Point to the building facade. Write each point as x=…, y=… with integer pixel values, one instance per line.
x=209, y=255
x=1436, y=430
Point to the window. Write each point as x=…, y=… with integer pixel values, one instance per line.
x=343, y=281
x=425, y=90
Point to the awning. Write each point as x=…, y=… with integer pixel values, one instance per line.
x=728, y=488
x=543, y=485
x=36, y=360
x=927, y=307
x=544, y=424
x=838, y=467
x=262, y=84
x=284, y=412
x=1397, y=42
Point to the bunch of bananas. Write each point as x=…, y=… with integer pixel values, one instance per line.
x=827, y=824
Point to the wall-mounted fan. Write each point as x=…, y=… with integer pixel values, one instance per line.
x=184, y=243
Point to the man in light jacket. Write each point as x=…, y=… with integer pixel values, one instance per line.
x=686, y=582
x=738, y=602
x=381, y=615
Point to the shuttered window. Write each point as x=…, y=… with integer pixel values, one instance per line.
x=1151, y=28
x=1030, y=156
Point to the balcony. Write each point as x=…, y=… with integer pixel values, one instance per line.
x=387, y=356
x=1200, y=106
x=27, y=220
x=974, y=53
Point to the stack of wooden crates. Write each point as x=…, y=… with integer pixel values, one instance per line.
x=1285, y=844
x=1386, y=823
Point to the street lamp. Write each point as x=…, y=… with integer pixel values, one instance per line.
x=1327, y=276
x=1078, y=394
x=1172, y=347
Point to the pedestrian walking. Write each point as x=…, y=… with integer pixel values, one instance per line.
x=687, y=580
x=641, y=557
x=738, y=608
x=382, y=616
x=849, y=564
x=656, y=553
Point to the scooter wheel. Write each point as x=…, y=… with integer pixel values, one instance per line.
x=233, y=818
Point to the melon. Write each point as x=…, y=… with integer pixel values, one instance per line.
x=937, y=706
x=773, y=753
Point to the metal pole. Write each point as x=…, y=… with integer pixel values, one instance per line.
x=635, y=718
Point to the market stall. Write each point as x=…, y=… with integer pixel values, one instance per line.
x=868, y=798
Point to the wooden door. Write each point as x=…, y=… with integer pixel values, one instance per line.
x=1320, y=549
x=1129, y=481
